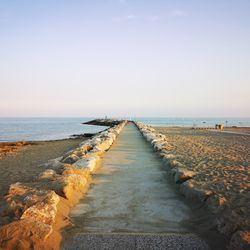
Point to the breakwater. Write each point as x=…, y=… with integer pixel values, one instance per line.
x=34, y=212
x=133, y=199
x=227, y=222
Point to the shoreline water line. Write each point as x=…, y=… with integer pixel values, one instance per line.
x=35, y=129
x=41, y=207
x=67, y=178
x=226, y=220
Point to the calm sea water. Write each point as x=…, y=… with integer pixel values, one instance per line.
x=35, y=129
x=198, y=122
x=16, y=129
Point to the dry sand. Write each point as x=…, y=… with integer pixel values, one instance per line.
x=10, y=148
x=238, y=129
x=221, y=160
x=21, y=161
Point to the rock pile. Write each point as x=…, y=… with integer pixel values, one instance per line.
x=30, y=209
x=192, y=189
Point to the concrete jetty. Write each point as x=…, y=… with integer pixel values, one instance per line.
x=131, y=200
x=132, y=203
x=135, y=241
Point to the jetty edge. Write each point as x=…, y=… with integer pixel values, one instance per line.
x=36, y=211
x=226, y=223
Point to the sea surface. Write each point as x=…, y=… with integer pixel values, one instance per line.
x=35, y=129
x=195, y=122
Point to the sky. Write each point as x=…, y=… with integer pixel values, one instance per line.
x=154, y=58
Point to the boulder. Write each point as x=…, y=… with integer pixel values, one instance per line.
x=21, y=197
x=225, y=223
x=216, y=203
x=166, y=156
x=181, y=175
x=85, y=146
x=74, y=169
x=44, y=209
x=54, y=163
x=79, y=153
x=172, y=163
x=192, y=191
x=240, y=240
x=47, y=174
x=71, y=159
x=89, y=163
x=71, y=184
x=24, y=234
x=104, y=146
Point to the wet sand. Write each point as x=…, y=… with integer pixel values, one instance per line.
x=24, y=163
x=221, y=161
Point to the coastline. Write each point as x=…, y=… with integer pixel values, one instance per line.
x=63, y=197
x=212, y=169
x=21, y=161
x=41, y=206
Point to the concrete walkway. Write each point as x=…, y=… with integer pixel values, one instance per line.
x=131, y=193
x=135, y=242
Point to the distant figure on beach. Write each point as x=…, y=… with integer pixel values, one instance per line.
x=219, y=126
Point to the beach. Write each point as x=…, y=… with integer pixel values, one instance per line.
x=221, y=163
x=39, y=199
x=217, y=162
x=21, y=161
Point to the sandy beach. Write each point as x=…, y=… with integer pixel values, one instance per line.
x=221, y=161
x=43, y=189
x=20, y=161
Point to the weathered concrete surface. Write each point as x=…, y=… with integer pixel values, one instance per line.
x=135, y=242
x=132, y=192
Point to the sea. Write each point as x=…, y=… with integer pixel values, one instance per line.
x=37, y=129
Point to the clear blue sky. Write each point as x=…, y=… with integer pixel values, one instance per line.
x=125, y=57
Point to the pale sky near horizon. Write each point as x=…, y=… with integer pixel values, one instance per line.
x=125, y=58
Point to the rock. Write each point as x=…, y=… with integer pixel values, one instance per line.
x=54, y=163
x=159, y=145
x=47, y=174
x=35, y=207
x=225, y=224
x=149, y=136
x=172, y=163
x=216, y=203
x=24, y=234
x=74, y=169
x=71, y=184
x=181, y=175
x=71, y=159
x=95, y=141
x=79, y=153
x=21, y=197
x=85, y=146
x=166, y=156
x=102, y=147
x=89, y=163
x=240, y=241
x=19, y=189
x=192, y=191
x=44, y=209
